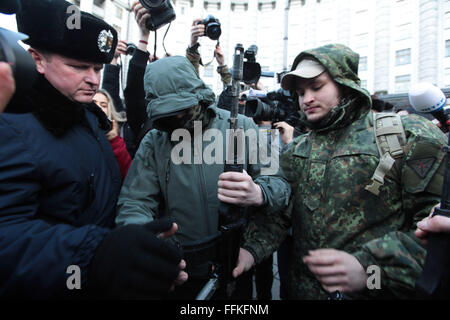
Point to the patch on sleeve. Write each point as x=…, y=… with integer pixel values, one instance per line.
x=421, y=166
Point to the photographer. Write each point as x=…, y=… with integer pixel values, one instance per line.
x=8, y=85
x=111, y=76
x=115, y=107
x=192, y=53
x=134, y=92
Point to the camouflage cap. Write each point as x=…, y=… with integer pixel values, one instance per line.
x=340, y=61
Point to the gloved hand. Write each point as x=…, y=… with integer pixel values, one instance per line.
x=132, y=263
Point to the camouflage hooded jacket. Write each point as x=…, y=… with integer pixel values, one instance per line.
x=328, y=169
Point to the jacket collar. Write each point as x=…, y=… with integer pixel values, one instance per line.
x=57, y=113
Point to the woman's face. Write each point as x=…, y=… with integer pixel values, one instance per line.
x=102, y=101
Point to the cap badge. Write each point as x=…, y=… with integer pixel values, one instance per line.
x=105, y=41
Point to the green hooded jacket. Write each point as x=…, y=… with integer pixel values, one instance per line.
x=158, y=183
x=329, y=168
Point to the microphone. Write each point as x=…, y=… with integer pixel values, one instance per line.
x=427, y=98
x=9, y=6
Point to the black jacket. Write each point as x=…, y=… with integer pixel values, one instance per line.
x=59, y=183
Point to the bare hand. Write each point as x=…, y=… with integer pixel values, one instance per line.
x=121, y=48
x=141, y=15
x=435, y=224
x=245, y=262
x=8, y=85
x=197, y=30
x=219, y=56
x=114, y=132
x=182, y=276
x=238, y=188
x=286, y=131
x=336, y=270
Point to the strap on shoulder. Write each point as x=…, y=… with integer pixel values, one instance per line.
x=390, y=138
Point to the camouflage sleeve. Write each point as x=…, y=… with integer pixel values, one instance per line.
x=265, y=233
x=267, y=228
x=225, y=75
x=399, y=254
x=264, y=167
x=194, y=57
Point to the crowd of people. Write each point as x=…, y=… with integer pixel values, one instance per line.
x=89, y=179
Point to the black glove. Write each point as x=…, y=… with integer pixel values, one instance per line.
x=132, y=263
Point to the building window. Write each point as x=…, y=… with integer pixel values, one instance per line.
x=402, y=83
x=363, y=64
x=364, y=84
x=447, y=77
x=99, y=3
x=404, y=31
x=119, y=12
x=118, y=29
x=362, y=40
x=447, y=48
x=209, y=71
x=403, y=57
x=447, y=20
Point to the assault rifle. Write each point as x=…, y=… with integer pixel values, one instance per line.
x=231, y=218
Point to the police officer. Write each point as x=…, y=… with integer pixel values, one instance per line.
x=59, y=180
x=344, y=217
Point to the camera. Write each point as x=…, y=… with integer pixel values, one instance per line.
x=252, y=69
x=275, y=106
x=131, y=48
x=265, y=110
x=161, y=12
x=212, y=27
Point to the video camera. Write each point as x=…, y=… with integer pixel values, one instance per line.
x=21, y=62
x=252, y=69
x=161, y=12
x=212, y=27
x=274, y=106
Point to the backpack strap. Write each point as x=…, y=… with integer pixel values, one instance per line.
x=390, y=138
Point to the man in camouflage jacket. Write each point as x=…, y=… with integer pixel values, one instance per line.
x=340, y=228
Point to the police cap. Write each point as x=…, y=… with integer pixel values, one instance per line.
x=58, y=26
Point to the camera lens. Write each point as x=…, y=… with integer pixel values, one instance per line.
x=152, y=3
x=213, y=31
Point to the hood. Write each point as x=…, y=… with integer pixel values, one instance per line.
x=342, y=64
x=172, y=85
